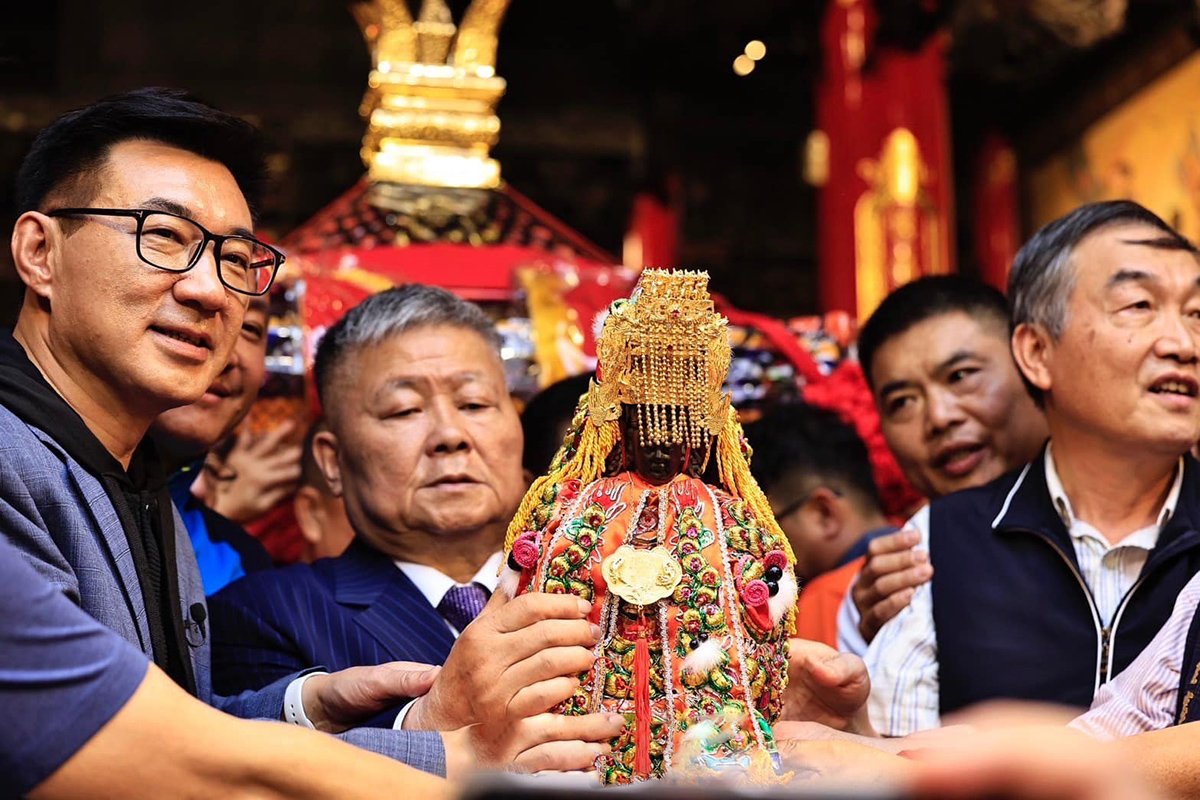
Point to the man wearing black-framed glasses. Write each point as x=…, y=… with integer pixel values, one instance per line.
x=136, y=247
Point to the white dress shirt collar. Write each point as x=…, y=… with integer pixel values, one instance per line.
x=1145, y=537
x=434, y=584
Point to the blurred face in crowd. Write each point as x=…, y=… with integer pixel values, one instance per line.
x=424, y=440
x=820, y=521
x=952, y=406
x=127, y=334
x=194, y=428
x=1124, y=372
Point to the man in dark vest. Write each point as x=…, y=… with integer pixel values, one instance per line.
x=1052, y=579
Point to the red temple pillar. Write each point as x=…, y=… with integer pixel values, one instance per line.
x=995, y=216
x=886, y=198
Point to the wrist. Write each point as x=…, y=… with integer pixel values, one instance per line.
x=312, y=693
x=414, y=716
x=427, y=713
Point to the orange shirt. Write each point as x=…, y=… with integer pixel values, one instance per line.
x=820, y=599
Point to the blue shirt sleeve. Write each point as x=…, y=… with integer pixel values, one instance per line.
x=63, y=675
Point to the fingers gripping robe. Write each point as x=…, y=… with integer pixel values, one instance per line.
x=534, y=744
x=517, y=658
x=557, y=742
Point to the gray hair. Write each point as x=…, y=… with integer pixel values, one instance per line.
x=390, y=313
x=1038, y=294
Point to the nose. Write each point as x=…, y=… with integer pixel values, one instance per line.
x=200, y=286
x=448, y=434
x=1177, y=341
x=942, y=410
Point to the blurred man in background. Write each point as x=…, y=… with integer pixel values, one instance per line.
x=816, y=473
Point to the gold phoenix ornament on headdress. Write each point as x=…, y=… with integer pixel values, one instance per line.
x=666, y=352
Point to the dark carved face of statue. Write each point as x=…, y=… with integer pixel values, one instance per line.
x=655, y=463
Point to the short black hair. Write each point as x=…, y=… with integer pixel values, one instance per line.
x=804, y=443
x=546, y=418
x=923, y=299
x=69, y=151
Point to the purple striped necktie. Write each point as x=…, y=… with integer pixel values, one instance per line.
x=462, y=604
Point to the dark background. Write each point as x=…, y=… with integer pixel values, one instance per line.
x=605, y=97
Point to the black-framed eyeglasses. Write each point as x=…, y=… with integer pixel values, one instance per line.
x=792, y=507
x=173, y=243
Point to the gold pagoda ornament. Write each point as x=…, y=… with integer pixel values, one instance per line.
x=432, y=93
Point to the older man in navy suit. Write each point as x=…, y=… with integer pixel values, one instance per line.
x=424, y=446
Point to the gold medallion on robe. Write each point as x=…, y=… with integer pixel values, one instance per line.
x=641, y=577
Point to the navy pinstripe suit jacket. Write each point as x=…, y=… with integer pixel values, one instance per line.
x=354, y=610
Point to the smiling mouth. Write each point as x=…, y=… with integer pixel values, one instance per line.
x=1181, y=388
x=194, y=341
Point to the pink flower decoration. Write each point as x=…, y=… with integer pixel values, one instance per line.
x=776, y=558
x=525, y=550
x=755, y=593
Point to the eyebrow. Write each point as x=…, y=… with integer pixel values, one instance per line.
x=956, y=357
x=1123, y=276
x=893, y=386
x=179, y=210
x=406, y=382
x=959, y=355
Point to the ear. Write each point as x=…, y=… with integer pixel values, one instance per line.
x=35, y=243
x=825, y=506
x=325, y=453
x=307, y=506
x=1033, y=351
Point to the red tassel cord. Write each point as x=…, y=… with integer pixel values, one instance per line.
x=641, y=703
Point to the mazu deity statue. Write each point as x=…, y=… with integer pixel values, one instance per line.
x=650, y=513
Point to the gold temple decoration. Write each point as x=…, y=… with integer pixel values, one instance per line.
x=432, y=93
x=897, y=230
x=666, y=351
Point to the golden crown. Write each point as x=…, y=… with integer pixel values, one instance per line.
x=666, y=351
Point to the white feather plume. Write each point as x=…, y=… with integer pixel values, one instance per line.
x=509, y=579
x=785, y=598
x=708, y=655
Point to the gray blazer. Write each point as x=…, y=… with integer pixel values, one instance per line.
x=59, y=516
